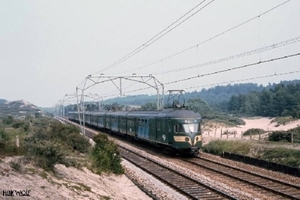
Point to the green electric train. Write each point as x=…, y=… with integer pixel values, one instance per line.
x=178, y=130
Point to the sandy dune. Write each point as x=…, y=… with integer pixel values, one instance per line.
x=70, y=183
x=262, y=123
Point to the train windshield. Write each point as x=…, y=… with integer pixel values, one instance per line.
x=191, y=128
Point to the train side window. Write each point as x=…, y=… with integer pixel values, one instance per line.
x=176, y=128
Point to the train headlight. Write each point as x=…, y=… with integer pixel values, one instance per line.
x=187, y=139
x=197, y=139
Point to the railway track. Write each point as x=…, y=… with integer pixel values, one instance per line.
x=272, y=186
x=187, y=186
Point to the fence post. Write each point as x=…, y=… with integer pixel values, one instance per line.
x=17, y=141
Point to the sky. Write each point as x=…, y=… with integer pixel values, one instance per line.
x=49, y=48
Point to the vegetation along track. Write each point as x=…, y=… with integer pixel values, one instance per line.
x=273, y=186
x=185, y=185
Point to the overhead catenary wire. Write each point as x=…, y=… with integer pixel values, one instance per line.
x=225, y=70
x=162, y=33
x=237, y=56
x=234, y=68
x=245, y=79
x=211, y=38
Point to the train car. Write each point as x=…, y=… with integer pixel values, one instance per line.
x=178, y=130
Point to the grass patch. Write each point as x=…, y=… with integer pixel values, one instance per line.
x=283, y=156
x=280, y=155
x=31, y=170
x=85, y=187
x=15, y=165
x=43, y=174
x=104, y=198
x=217, y=147
x=282, y=120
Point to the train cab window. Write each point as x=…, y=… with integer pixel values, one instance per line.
x=176, y=128
x=190, y=128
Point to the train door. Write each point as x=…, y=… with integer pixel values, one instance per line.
x=143, y=130
x=146, y=128
x=162, y=135
x=152, y=129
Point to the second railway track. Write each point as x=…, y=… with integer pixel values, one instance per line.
x=277, y=187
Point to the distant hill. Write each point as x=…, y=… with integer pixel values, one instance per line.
x=17, y=108
x=2, y=101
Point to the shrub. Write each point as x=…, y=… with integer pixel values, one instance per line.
x=21, y=124
x=4, y=138
x=8, y=120
x=224, y=118
x=78, y=142
x=69, y=135
x=44, y=154
x=254, y=131
x=105, y=157
x=286, y=136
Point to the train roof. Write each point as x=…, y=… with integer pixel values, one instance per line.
x=143, y=113
x=178, y=113
x=168, y=113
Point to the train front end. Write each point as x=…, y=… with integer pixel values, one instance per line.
x=186, y=135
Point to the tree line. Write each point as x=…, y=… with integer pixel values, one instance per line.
x=282, y=100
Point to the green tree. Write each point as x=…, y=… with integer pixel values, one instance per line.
x=149, y=106
x=8, y=120
x=200, y=106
